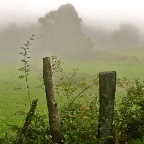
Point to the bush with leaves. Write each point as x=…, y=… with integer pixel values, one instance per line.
x=79, y=122
x=38, y=132
x=129, y=116
x=79, y=112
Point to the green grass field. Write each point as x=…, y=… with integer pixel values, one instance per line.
x=13, y=104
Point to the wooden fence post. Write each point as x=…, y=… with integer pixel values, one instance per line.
x=54, y=121
x=28, y=119
x=107, y=88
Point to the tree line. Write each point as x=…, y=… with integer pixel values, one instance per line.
x=62, y=32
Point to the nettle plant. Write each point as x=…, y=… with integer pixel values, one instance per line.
x=25, y=53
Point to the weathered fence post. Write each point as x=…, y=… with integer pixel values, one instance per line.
x=54, y=120
x=107, y=87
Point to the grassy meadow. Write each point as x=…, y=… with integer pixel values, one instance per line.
x=127, y=63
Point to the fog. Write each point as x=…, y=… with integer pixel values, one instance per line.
x=72, y=31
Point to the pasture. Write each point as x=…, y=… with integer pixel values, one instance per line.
x=127, y=63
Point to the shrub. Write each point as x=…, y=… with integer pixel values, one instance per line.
x=38, y=131
x=79, y=122
x=129, y=117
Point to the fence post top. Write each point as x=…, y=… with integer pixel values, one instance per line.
x=107, y=73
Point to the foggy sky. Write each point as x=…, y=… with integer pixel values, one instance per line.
x=108, y=13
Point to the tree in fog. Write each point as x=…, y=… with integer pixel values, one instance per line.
x=61, y=29
x=126, y=36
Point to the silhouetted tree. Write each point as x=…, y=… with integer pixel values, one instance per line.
x=61, y=29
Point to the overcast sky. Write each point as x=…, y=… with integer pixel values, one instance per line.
x=107, y=13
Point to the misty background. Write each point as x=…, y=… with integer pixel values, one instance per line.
x=70, y=29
